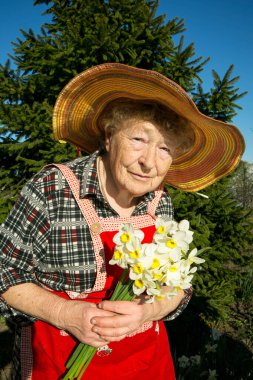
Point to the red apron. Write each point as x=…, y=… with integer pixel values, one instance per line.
x=46, y=349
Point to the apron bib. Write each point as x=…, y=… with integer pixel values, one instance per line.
x=46, y=349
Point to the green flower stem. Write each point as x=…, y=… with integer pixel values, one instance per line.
x=91, y=352
x=119, y=286
x=76, y=353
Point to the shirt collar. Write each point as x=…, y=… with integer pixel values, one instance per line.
x=89, y=181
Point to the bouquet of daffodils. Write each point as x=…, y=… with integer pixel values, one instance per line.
x=158, y=269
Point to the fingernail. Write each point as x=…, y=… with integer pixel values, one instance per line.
x=93, y=321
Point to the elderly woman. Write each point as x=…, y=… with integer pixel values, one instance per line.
x=143, y=131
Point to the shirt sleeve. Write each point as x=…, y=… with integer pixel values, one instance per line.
x=165, y=207
x=23, y=236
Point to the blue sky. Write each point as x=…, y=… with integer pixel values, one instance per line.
x=220, y=29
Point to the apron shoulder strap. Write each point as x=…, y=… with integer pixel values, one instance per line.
x=93, y=222
x=154, y=203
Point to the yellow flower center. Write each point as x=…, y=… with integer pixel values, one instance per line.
x=191, y=261
x=159, y=298
x=155, y=263
x=173, y=269
x=161, y=230
x=125, y=237
x=118, y=255
x=171, y=243
x=138, y=268
x=135, y=254
x=157, y=276
x=138, y=283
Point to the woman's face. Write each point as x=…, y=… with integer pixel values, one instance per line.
x=139, y=156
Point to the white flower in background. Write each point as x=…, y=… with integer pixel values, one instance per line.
x=212, y=374
x=210, y=348
x=195, y=359
x=184, y=362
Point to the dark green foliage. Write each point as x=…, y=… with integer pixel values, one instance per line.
x=224, y=226
x=219, y=103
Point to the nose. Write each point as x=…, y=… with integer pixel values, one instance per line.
x=147, y=158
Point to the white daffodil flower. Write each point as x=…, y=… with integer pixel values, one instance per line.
x=138, y=287
x=136, y=271
x=119, y=258
x=134, y=250
x=126, y=234
x=153, y=291
x=186, y=282
x=184, y=226
x=164, y=227
x=171, y=246
x=193, y=257
x=173, y=274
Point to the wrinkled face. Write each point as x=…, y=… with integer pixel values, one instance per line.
x=139, y=156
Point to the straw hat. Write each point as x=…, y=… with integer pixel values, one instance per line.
x=218, y=146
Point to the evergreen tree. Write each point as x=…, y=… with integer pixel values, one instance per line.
x=222, y=224
x=219, y=102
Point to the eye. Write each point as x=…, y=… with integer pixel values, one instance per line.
x=165, y=149
x=137, y=139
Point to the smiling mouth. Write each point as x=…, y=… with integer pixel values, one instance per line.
x=141, y=176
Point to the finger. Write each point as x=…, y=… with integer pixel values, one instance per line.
x=103, y=313
x=97, y=341
x=116, y=338
x=117, y=321
x=119, y=307
x=107, y=333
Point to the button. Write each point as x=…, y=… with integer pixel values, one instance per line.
x=96, y=228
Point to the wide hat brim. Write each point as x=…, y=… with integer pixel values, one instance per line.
x=218, y=146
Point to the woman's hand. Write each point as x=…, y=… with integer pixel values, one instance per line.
x=129, y=316
x=75, y=317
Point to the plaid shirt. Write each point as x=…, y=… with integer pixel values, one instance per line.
x=44, y=237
